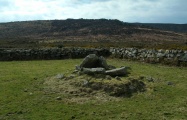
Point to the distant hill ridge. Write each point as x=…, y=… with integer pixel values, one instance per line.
x=165, y=26
x=37, y=33
x=79, y=27
x=54, y=27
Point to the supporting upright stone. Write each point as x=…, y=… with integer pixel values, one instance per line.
x=90, y=61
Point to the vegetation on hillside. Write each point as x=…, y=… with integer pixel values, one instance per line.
x=180, y=28
x=87, y=33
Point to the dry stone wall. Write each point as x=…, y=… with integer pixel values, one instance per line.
x=47, y=54
x=146, y=55
x=152, y=55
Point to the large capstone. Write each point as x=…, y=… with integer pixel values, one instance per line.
x=93, y=61
x=93, y=64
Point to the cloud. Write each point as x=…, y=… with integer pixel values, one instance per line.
x=170, y=11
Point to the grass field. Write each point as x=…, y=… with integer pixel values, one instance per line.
x=23, y=95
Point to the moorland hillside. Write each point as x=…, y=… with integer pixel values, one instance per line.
x=88, y=33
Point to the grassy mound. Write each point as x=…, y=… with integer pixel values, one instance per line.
x=36, y=90
x=82, y=86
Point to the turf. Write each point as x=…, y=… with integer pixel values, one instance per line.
x=23, y=95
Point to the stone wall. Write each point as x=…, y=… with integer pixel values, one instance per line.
x=151, y=56
x=145, y=55
x=47, y=54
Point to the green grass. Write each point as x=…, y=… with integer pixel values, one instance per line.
x=22, y=94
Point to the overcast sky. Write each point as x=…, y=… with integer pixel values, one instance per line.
x=145, y=11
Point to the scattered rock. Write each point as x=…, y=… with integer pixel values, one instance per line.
x=117, y=78
x=70, y=77
x=85, y=83
x=169, y=83
x=59, y=76
x=99, y=76
x=58, y=98
x=150, y=79
x=25, y=90
x=77, y=67
x=108, y=77
x=80, y=73
x=75, y=71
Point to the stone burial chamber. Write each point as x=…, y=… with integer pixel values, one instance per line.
x=94, y=78
x=93, y=64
